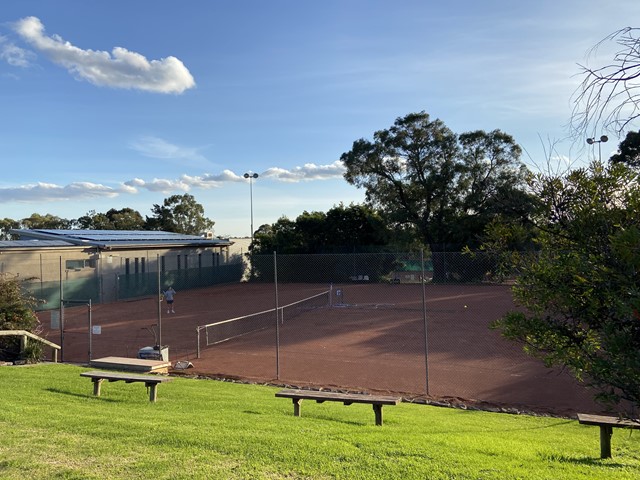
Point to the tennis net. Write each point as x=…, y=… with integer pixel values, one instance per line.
x=225, y=330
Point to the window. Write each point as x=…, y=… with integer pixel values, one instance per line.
x=79, y=264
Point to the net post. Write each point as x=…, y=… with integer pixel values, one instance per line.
x=198, y=347
x=330, y=295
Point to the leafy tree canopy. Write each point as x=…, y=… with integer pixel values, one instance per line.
x=123, y=219
x=342, y=227
x=180, y=214
x=446, y=187
x=628, y=151
x=581, y=293
x=48, y=221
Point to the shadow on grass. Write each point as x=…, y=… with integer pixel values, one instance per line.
x=79, y=395
x=581, y=460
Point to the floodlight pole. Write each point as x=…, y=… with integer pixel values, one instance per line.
x=251, y=176
x=603, y=139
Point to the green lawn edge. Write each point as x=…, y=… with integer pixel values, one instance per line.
x=53, y=427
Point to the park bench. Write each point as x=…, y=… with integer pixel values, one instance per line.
x=346, y=398
x=150, y=381
x=606, y=424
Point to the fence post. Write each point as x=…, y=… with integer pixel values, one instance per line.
x=424, y=319
x=275, y=281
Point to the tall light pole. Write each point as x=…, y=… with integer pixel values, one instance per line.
x=603, y=139
x=251, y=176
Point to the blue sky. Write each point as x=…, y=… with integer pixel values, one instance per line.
x=120, y=103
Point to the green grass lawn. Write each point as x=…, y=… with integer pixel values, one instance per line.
x=52, y=427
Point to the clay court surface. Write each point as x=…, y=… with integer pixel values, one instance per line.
x=371, y=338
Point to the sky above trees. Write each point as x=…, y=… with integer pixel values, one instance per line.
x=121, y=104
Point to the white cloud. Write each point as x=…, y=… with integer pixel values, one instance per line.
x=308, y=172
x=44, y=192
x=119, y=69
x=158, y=185
x=155, y=147
x=14, y=55
x=184, y=183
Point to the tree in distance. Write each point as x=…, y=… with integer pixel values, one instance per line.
x=179, y=214
x=123, y=219
x=445, y=187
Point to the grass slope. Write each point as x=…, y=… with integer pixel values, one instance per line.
x=51, y=427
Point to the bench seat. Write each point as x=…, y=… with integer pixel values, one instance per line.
x=150, y=381
x=606, y=424
x=346, y=398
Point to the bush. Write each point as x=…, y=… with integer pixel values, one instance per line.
x=17, y=313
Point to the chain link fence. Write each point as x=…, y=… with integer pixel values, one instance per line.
x=48, y=280
x=414, y=323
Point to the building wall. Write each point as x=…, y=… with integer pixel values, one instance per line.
x=77, y=263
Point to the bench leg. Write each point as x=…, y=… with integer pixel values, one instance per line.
x=153, y=391
x=296, y=406
x=97, y=382
x=378, y=411
x=605, y=441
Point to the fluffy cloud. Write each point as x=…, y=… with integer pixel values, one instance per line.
x=184, y=183
x=44, y=192
x=309, y=171
x=14, y=55
x=119, y=69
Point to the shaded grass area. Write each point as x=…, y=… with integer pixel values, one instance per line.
x=52, y=427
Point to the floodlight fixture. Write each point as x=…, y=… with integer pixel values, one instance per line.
x=603, y=139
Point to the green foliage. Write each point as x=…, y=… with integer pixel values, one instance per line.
x=581, y=292
x=6, y=225
x=48, y=221
x=447, y=187
x=180, y=214
x=53, y=427
x=341, y=229
x=16, y=313
x=123, y=219
x=628, y=151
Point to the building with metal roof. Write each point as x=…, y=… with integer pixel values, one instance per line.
x=109, y=265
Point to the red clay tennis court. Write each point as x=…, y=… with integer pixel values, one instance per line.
x=369, y=337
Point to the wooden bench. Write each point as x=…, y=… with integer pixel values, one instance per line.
x=346, y=398
x=606, y=424
x=150, y=381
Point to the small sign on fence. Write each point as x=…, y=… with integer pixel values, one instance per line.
x=96, y=330
x=55, y=319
